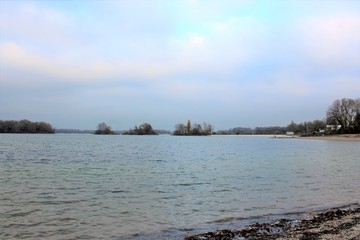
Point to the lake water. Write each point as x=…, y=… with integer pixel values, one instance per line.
x=67, y=186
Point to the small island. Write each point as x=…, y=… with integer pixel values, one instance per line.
x=143, y=129
x=194, y=129
x=104, y=129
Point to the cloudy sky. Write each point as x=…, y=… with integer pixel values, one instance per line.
x=230, y=63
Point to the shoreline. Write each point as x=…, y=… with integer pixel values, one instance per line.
x=342, y=223
x=340, y=137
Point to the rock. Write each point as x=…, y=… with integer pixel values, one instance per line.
x=331, y=224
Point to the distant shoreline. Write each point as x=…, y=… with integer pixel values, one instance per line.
x=340, y=137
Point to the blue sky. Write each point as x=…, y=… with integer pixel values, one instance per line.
x=230, y=63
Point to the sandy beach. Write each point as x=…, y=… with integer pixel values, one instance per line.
x=340, y=137
x=331, y=224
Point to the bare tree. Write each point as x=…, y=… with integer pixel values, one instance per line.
x=193, y=129
x=196, y=129
x=188, y=127
x=207, y=128
x=103, y=128
x=292, y=127
x=180, y=129
x=344, y=112
x=143, y=129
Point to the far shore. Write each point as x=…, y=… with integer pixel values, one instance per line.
x=339, y=137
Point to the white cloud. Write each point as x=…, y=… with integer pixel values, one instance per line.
x=197, y=40
x=332, y=40
x=218, y=52
x=31, y=22
x=225, y=46
x=14, y=55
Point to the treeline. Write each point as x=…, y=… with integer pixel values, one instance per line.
x=25, y=126
x=193, y=129
x=304, y=128
x=257, y=130
x=188, y=129
x=315, y=127
x=343, y=116
x=143, y=129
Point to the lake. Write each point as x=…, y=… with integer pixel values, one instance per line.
x=73, y=186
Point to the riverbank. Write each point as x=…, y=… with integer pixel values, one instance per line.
x=339, y=137
x=331, y=224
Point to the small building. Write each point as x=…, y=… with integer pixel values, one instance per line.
x=333, y=127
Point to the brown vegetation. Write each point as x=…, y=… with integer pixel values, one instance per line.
x=193, y=129
x=25, y=126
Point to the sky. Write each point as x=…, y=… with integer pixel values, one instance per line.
x=233, y=63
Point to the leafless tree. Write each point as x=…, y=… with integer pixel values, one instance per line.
x=188, y=127
x=180, y=129
x=344, y=112
x=143, y=129
x=193, y=129
x=207, y=128
x=25, y=126
x=103, y=128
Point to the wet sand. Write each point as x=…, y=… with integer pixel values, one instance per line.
x=332, y=224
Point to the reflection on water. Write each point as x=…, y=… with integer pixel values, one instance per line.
x=120, y=187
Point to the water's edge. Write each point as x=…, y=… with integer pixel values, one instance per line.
x=236, y=224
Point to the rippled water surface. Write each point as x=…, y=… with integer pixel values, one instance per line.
x=67, y=186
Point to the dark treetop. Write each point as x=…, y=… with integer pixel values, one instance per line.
x=25, y=126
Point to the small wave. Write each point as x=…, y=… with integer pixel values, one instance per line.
x=19, y=225
x=221, y=190
x=190, y=184
x=224, y=220
x=169, y=198
x=23, y=214
x=55, y=202
x=158, y=160
x=119, y=191
x=125, y=212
